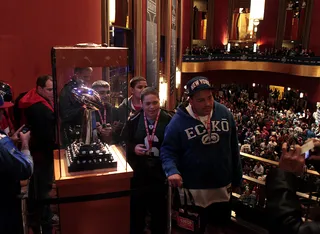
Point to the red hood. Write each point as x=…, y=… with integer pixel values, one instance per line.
x=32, y=97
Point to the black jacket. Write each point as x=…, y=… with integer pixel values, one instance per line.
x=111, y=114
x=42, y=125
x=125, y=110
x=134, y=133
x=39, y=116
x=283, y=206
x=70, y=110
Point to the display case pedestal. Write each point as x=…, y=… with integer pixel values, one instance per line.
x=99, y=216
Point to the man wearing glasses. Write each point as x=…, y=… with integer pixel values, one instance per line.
x=108, y=118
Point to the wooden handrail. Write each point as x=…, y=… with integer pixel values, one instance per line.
x=304, y=195
x=275, y=163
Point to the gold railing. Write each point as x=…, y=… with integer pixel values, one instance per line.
x=275, y=163
x=292, y=69
x=303, y=195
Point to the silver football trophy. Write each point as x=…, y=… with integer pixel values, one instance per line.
x=88, y=152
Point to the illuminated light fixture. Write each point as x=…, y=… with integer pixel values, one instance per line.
x=301, y=95
x=112, y=31
x=254, y=47
x=163, y=91
x=257, y=9
x=253, y=84
x=289, y=88
x=112, y=11
x=178, y=77
x=228, y=47
x=240, y=10
x=256, y=22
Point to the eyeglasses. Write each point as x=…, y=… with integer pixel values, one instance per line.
x=104, y=92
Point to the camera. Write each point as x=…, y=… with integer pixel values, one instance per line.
x=25, y=129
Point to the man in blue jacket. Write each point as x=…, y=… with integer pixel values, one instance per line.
x=15, y=166
x=200, y=151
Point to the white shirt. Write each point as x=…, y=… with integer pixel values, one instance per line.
x=258, y=170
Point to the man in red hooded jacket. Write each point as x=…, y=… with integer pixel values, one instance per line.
x=37, y=108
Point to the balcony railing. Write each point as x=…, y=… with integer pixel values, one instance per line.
x=298, y=66
x=312, y=61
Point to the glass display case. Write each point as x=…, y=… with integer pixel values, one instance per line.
x=90, y=82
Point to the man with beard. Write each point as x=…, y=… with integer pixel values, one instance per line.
x=200, y=150
x=37, y=108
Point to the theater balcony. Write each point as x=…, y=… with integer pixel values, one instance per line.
x=297, y=66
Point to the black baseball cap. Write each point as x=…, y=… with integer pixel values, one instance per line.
x=196, y=84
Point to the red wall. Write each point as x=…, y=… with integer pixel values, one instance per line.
x=314, y=43
x=268, y=26
x=186, y=24
x=220, y=23
x=305, y=84
x=28, y=30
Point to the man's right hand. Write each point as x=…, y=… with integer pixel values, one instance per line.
x=140, y=149
x=175, y=180
x=16, y=136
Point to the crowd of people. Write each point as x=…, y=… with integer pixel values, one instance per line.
x=297, y=51
x=180, y=147
x=264, y=125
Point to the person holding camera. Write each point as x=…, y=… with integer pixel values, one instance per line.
x=144, y=134
x=15, y=166
x=283, y=205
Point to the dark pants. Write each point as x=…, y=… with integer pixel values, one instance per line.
x=10, y=216
x=216, y=215
x=39, y=214
x=153, y=203
x=149, y=196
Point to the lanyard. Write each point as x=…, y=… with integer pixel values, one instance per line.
x=104, y=119
x=208, y=127
x=150, y=138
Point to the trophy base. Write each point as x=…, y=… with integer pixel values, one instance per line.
x=89, y=157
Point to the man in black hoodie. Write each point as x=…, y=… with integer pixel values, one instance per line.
x=70, y=110
x=38, y=111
